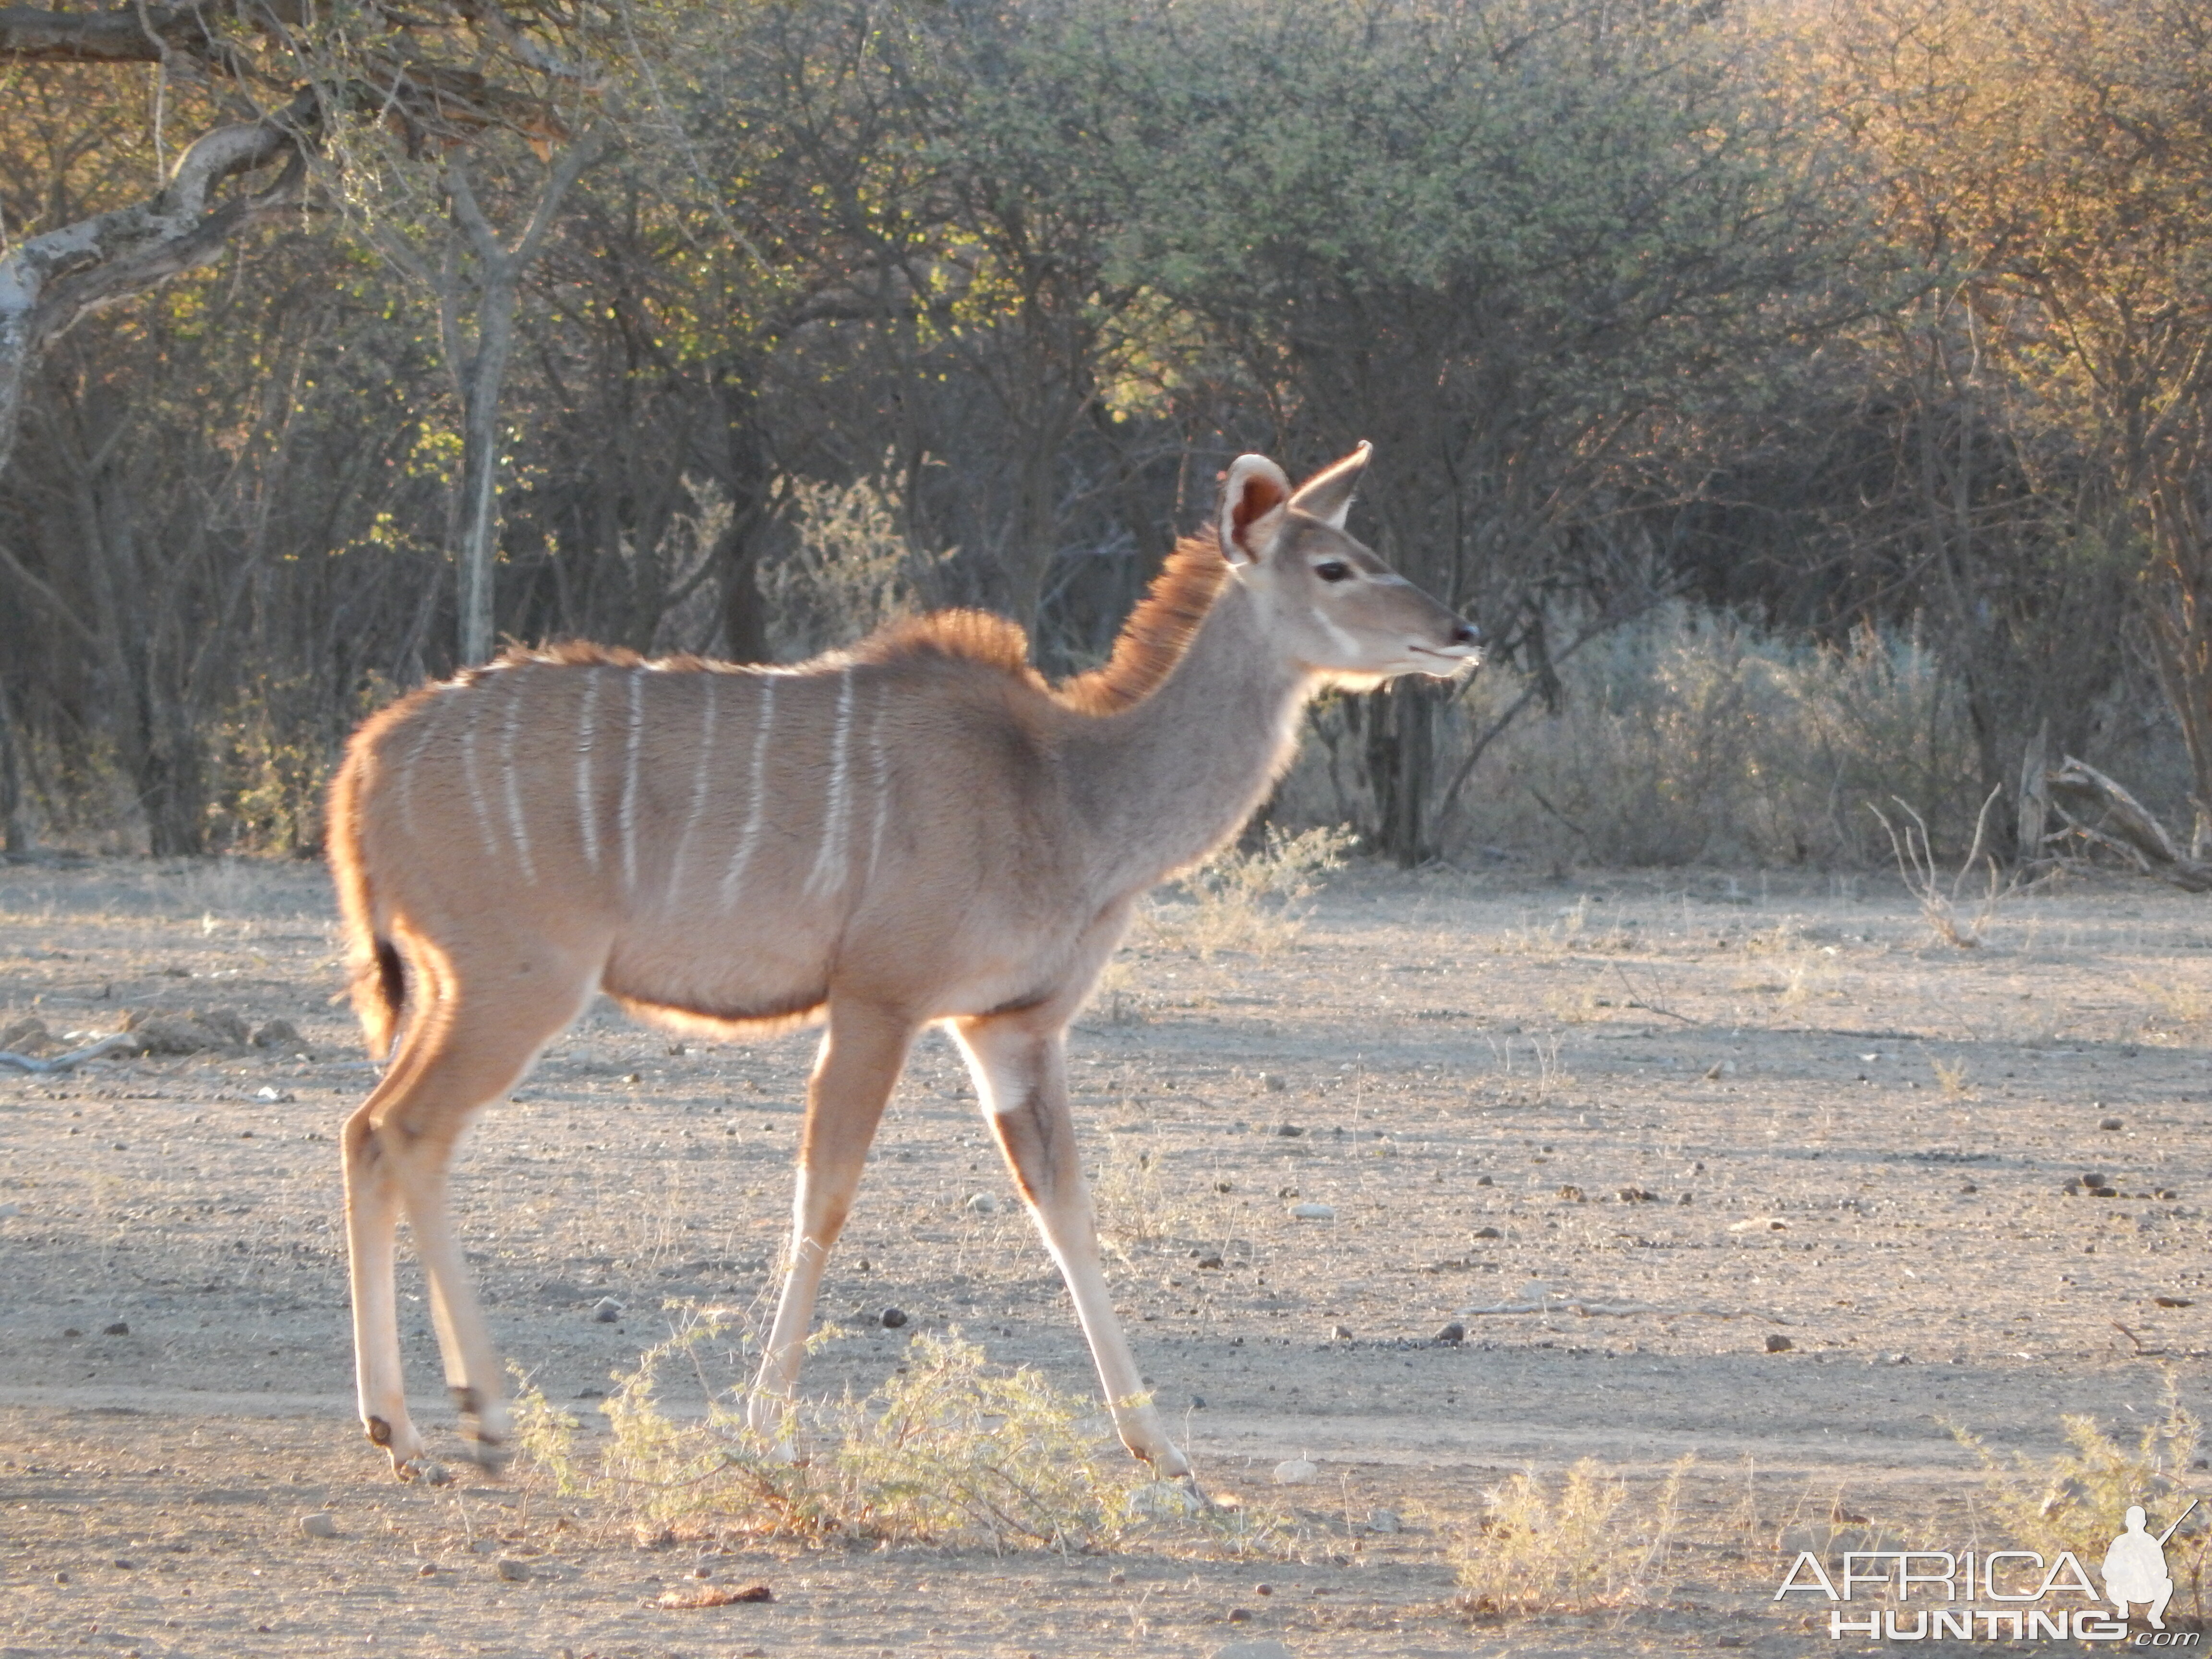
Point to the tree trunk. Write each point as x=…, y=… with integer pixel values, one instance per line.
x=14, y=813
x=480, y=373
x=1402, y=761
x=2181, y=616
x=478, y=551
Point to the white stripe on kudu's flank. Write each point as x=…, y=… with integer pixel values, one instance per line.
x=880, y=769
x=514, y=784
x=586, y=817
x=700, y=776
x=477, y=697
x=832, y=857
x=630, y=778
x=757, y=814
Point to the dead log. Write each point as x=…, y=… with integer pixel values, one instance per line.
x=2098, y=810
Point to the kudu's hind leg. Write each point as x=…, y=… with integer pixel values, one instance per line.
x=1021, y=1073
x=462, y=1050
x=858, y=1065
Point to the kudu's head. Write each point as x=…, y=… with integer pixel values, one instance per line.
x=1327, y=601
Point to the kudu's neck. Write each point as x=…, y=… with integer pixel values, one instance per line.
x=1158, y=784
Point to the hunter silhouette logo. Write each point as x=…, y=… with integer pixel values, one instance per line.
x=2135, y=1566
x=2023, y=1596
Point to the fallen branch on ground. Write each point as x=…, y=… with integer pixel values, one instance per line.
x=2125, y=827
x=116, y=1042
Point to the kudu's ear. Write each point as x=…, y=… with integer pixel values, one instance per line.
x=1252, y=500
x=1327, y=495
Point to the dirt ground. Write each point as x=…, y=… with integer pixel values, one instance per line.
x=1700, y=1110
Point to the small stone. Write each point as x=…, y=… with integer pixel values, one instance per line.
x=2172, y=1302
x=702, y=1572
x=120, y=1328
x=981, y=1203
x=1209, y=1263
x=1240, y=1615
x=1340, y=1332
x=606, y=1310
x=2111, y=1123
x=1452, y=1334
x=1968, y=1187
x=1383, y=1521
x=1290, y=1130
x=1488, y=1232
x=426, y=1571
x=1272, y=1084
x=1295, y=1472
x=61, y=1578
x=892, y=1318
x=1117, y=1576
x=320, y=1524
x=1484, y=1180
x=72, y=1330
x=1779, y=1344
x=1263, y=1590
x=1570, y=1193
x=1314, y=1212
x=513, y=1570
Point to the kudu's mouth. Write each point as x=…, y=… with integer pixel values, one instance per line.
x=1464, y=651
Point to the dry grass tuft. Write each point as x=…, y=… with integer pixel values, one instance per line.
x=952, y=1450
x=1256, y=902
x=1586, y=1547
x=1944, y=902
x=2181, y=1006
x=2076, y=1500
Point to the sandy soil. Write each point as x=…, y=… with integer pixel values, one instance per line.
x=1615, y=1086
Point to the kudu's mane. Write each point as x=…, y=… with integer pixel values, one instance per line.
x=1151, y=643
x=1158, y=631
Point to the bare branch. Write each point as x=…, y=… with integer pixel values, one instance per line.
x=129, y=35
x=50, y=283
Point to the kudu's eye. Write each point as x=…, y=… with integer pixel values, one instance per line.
x=1333, y=570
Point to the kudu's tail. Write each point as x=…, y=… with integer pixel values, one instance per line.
x=379, y=979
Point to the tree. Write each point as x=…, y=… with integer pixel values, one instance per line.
x=2055, y=160
x=1525, y=246
x=269, y=84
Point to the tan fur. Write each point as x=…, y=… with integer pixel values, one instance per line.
x=918, y=830
x=1158, y=631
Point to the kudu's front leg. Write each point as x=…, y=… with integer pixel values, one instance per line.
x=854, y=1072
x=1020, y=1067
